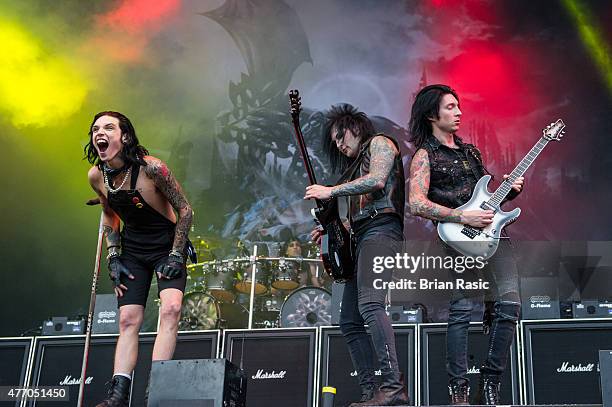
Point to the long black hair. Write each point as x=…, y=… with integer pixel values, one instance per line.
x=285, y=246
x=426, y=106
x=339, y=118
x=132, y=151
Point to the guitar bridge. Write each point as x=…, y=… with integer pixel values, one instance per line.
x=470, y=232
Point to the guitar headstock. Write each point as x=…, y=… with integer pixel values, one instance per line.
x=554, y=131
x=296, y=103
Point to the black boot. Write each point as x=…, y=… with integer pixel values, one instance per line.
x=367, y=392
x=367, y=383
x=392, y=392
x=118, y=394
x=459, y=393
x=488, y=391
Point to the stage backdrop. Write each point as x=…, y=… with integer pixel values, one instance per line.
x=205, y=84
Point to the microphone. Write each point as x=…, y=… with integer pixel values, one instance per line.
x=93, y=201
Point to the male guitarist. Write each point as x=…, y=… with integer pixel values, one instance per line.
x=443, y=173
x=374, y=186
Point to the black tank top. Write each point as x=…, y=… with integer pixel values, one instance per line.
x=145, y=230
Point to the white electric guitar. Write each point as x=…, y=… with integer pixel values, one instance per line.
x=483, y=242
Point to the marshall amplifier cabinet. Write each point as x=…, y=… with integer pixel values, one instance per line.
x=605, y=366
x=57, y=362
x=560, y=360
x=433, y=384
x=279, y=364
x=14, y=363
x=336, y=368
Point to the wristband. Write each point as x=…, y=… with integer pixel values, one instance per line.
x=112, y=254
x=176, y=253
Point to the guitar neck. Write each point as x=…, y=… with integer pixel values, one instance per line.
x=506, y=186
x=304, y=151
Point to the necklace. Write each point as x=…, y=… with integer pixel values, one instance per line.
x=107, y=183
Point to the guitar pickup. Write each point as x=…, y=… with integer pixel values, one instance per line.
x=470, y=232
x=485, y=206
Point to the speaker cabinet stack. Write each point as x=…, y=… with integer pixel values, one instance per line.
x=559, y=363
x=279, y=364
x=433, y=379
x=560, y=359
x=336, y=367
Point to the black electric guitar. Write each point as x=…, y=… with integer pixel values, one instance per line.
x=335, y=241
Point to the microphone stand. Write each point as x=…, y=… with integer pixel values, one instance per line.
x=92, y=304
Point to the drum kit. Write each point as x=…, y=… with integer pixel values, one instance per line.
x=221, y=293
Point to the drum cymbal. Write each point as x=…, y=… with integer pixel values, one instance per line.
x=206, y=246
x=207, y=242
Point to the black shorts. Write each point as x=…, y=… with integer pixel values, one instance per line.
x=142, y=266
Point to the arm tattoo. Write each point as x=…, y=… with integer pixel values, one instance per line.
x=382, y=156
x=169, y=186
x=419, y=187
x=113, y=238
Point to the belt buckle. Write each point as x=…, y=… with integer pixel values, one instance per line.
x=373, y=215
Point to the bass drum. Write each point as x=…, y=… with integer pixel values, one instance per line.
x=202, y=311
x=306, y=307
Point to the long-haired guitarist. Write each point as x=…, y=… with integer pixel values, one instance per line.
x=443, y=174
x=373, y=182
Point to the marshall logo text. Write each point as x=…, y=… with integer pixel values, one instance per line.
x=261, y=375
x=579, y=368
x=71, y=381
x=473, y=370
